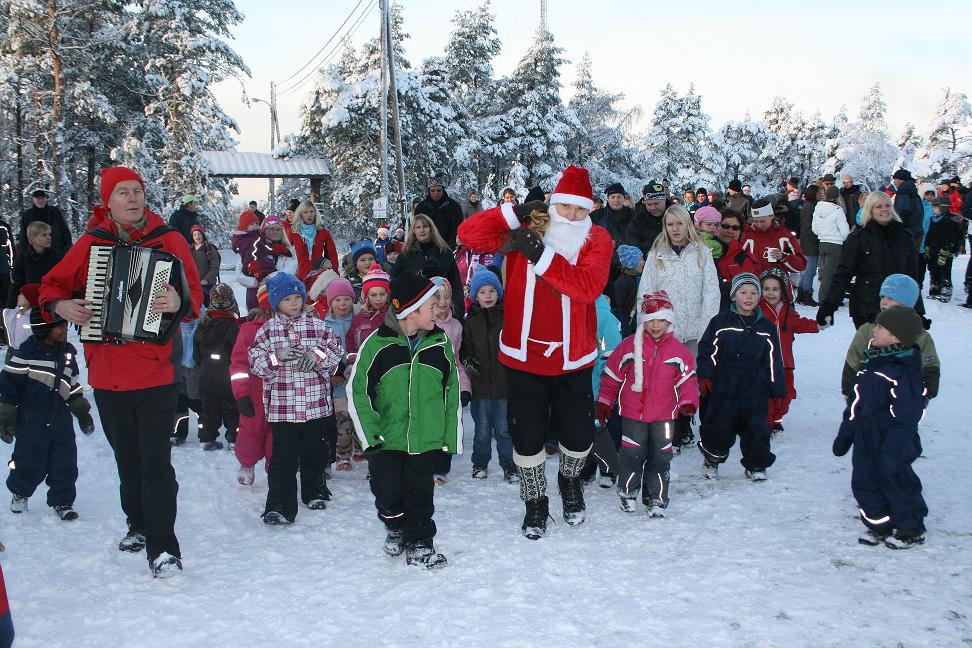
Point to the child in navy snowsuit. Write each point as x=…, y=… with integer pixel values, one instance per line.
x=881, y=422
x=39, y=392
x=740, y=367
x=214, y=341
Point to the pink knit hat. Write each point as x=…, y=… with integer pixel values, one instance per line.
x=708, y=214
x=339, y=288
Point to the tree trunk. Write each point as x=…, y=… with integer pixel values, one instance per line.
x=59, y=170
x=19, y=138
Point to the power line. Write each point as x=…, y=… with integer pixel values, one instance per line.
x=318, y=53
x=297, y=85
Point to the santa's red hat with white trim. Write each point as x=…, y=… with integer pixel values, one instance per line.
x=574, y=188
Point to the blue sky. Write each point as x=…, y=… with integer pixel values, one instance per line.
x=739, y=55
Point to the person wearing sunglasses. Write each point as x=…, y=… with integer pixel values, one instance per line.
x=735, y=259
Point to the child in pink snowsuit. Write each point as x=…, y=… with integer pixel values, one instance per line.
x=254, y=439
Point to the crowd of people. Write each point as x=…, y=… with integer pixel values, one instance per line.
x=593, y=332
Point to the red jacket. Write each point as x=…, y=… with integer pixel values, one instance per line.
x=323, y=246
x=549, y=319
x=757, y=243
x=242, y=381
x=136, y=365
x=736, y=260
x=788, y=323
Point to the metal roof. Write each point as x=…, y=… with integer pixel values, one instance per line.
x=237, y=164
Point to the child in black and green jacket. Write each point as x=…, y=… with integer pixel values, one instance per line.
x=403, y=397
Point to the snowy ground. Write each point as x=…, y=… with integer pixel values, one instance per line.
x=734, y=564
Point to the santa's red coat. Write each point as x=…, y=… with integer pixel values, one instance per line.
x=549, y=320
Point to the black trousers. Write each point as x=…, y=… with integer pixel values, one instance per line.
x=137, y=424
x=302, y=445
x=403, y=489
x=556, y=407
x=218, y=409
x=730, y=415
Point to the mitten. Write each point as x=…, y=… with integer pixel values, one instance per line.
x=523, y=211
x=603, y=413
x=841, y=445
x=943, y=256
x=686, y=409
x=81, y=409
x=464, y=398
x=472, y=367
x=825, y=314
x=705, y=387
x=245, y=405
x=525, y=242
x=279, y=249
x=8, y=422
x=86, y=423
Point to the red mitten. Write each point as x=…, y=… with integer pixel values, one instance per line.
x=253, y=268
x=279, y=249
x=705, y=387
x=687, y=409
x=603, y=413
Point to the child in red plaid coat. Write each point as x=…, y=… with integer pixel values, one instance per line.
x=295, y=355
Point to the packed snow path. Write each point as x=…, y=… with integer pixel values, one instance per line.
x=734, y=564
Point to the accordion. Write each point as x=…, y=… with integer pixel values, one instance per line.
x=123, y=282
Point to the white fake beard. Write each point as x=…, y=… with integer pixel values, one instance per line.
x=565, y=236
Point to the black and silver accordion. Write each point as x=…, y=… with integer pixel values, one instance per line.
x=123, y=282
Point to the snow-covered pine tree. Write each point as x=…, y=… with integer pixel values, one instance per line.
x=907, y=144
x=867, y=153
x=811, y=146
x=701, y=163
x=517, y=180
x=947, y=150
x=781, y=156
x=533, y=125
x=600, y=144
x=742, y=144
x=184, y=54
x=661, y=148
x=836, y=135
x=472, y=46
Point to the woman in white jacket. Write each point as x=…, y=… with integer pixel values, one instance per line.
x=680, y=264
x=830, y=226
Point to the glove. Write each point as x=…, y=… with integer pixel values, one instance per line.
x=306, y=360
x=523, y=211
x=825, y=315
x=925, y=322
x=245, y=405
x=943, y=256
x=705, y=387
x=841, y=445
x=8, y=422
x=603, y=413
x=286, y=353
x=472, y=367
x=464, y=398
x=687, y=409
x=86, y=423
x=525, y=242
x=81, y=409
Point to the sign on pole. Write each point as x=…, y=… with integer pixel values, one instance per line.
x=379, y=208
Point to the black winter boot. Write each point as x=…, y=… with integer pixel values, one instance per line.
x=534, y=524
x=572, y=486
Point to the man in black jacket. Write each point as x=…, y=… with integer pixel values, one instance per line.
x=41, y=211
x=445, y=212
x=648, y=220
x=850, y=199
x=907, y=203
x=185, y=217
x=614, y=216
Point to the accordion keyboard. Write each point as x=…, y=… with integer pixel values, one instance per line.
x=160, y=278
x=99, y=263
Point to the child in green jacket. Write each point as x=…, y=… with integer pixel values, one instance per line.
x=403, y=397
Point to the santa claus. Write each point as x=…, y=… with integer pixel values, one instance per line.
x=556, y=265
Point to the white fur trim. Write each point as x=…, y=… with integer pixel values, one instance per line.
x=531, y=461
x=639, y=359
x=666, y=314
x=520, y=353
x=507, y=210
x=543, y=264
x=570, y=199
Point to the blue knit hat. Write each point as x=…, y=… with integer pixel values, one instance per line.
x=741, y=280
x=901, y=288
x=630, y=256
x=483, y=276
x=283, y=284
x=362, y=247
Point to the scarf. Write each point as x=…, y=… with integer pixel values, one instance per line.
x=308, y=233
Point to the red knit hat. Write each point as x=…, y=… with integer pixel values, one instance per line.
x=263, y=297
x=376, y=278
x=247, y=218
x=111, y=176
x=655, y=306
x=574, y=188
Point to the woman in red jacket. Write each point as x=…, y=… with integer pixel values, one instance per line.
x=777, y=308
x=133, y=382
x=311, y=240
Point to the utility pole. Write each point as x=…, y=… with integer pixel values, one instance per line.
x=390, y=51
x=383, y=134
x=274, y=138
x=543, y=15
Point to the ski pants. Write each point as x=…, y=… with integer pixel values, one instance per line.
x=403, y=489
x=218, y=409
x=778, y=407
x=885, y=486
x=540, y=407
x=729, y=415
x=644, y=459
x=43, y=452
x=297, y=445
x=254, y=440
x=137, y=424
